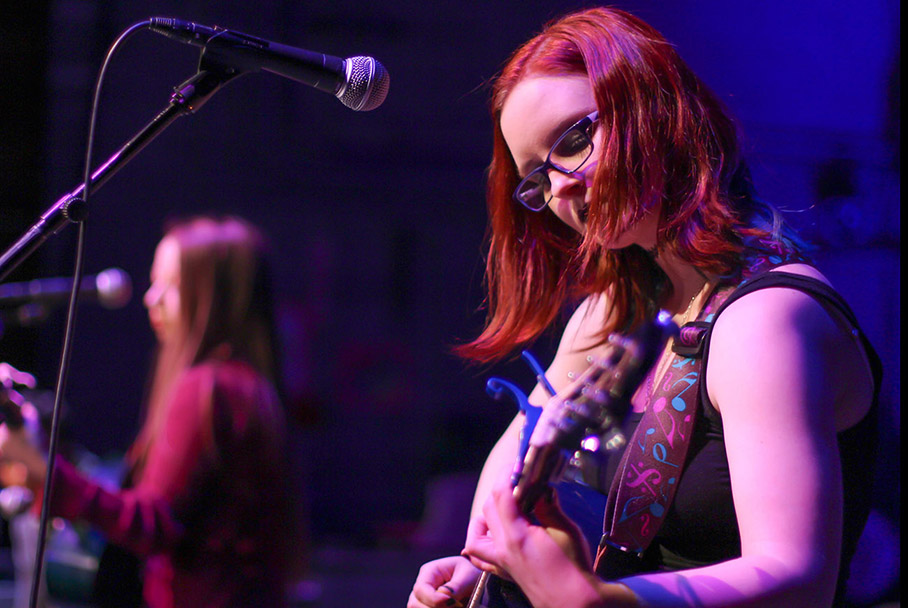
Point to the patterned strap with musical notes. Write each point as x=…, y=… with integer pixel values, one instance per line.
x=653, y=460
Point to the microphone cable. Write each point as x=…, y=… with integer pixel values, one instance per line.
x=65, y=355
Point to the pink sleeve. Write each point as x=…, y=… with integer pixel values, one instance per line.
x=141, y=519
x=143, y=524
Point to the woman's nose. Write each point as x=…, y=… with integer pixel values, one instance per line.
x=151, y=297
x=566, y=185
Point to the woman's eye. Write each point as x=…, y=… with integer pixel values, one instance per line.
x=572, y=144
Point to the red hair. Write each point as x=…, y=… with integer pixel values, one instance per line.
x=667, y=140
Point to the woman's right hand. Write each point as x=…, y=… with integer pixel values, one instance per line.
x=17, y=445
x=444, y=583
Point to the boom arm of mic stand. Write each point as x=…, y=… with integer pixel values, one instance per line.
x=186, y=99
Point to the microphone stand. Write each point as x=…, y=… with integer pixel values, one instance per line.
x=70, y=208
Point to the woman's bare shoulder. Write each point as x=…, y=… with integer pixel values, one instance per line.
x=793, y=329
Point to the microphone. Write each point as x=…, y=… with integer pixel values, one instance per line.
x=111, y=288
x=360, y=83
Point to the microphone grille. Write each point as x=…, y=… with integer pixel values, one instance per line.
x=366, y=85
x=114, y=288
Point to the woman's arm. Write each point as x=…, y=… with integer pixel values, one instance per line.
x=438, y=580
x=141, y=519
x=577, y=343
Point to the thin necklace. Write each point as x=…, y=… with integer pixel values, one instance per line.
x=665, y=361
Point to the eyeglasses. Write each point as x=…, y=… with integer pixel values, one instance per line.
x=568, y=155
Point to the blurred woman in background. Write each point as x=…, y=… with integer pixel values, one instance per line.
x=206, y=502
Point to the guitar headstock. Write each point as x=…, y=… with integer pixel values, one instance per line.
x=600, y=398
x=593, y=404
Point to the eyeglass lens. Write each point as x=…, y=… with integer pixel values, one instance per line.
x=567, y=155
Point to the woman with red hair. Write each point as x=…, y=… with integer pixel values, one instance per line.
x=616, y=181
x=206, y=503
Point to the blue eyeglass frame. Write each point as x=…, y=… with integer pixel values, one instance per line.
x=584, y=125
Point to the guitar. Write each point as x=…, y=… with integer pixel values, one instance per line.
x=594, y=407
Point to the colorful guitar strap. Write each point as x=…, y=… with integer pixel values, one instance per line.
x=647, y=475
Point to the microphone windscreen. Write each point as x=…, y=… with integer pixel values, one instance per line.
x=366, y=84
x=114, y=288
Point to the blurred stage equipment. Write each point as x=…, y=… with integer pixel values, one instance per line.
x=15, y=500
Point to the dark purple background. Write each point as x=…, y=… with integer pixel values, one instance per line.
x=377, y=218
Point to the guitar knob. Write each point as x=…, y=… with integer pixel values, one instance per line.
x=15, y=500
x=614, y=440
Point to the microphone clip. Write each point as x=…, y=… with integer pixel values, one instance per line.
x=192, y=94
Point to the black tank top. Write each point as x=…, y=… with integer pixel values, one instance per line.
x=701, y=527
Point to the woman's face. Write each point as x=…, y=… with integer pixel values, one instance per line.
x=535, y=114
x=163, y=296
